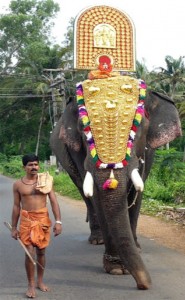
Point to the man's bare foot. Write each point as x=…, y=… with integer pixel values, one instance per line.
x=30, y=292
x=44, y=288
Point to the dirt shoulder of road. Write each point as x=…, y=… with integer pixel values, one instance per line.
x=167, y=233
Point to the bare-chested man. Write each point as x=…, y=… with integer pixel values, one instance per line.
x=34, y=231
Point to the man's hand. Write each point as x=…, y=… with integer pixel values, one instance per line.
x=57, y=229
x=15, y=233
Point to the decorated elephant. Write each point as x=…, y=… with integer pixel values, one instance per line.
x=113, y=191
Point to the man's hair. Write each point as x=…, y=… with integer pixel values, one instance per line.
x=29, y=158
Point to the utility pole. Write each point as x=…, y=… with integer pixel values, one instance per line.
x=57, y=85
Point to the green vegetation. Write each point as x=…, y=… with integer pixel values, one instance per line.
x=164, y=186
x=64, y=186
x=36, y=78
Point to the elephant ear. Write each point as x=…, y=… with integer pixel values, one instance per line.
x=164, y=123
x=69, y=131
x=162, y=96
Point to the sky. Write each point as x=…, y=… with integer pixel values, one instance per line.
x=159, y=24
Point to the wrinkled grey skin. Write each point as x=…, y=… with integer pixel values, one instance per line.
x=108, y=209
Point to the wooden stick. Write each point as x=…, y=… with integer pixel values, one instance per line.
x=24, y=247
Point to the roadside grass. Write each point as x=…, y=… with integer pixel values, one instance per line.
x=64, y=186
x=157, y=194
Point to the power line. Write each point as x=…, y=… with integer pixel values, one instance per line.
x=23, y=96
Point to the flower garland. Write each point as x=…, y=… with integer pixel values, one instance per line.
x=87, y=130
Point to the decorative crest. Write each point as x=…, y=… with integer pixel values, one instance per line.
x=103, y=31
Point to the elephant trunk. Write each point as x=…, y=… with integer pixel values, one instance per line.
x=112, y=210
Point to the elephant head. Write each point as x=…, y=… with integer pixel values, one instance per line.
x=70, y=144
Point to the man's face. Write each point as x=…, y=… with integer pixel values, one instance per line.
x=32, y=167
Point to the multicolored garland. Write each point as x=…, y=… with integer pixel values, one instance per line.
x=87, y=130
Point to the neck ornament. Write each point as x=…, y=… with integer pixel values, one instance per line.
x=28, y=183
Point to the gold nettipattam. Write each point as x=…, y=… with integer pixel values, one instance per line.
x=111, y=104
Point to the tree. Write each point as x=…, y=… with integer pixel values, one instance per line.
x=25, y=50
x=171, y=80
x=68, y=47
x=141, y=70
x=24, y=32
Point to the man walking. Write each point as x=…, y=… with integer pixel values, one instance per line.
x=30, y=208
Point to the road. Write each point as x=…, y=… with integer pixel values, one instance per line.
x=74, y=267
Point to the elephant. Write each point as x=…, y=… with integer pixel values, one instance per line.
x=113, y=213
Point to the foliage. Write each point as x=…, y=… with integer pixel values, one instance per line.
x=25, y=50
x=171, y=166
x=141, y=70
x=170, y=80
x=166, y=180
x=68, y=46
x=178, y=192
x=11, y=166
x=64, y=186
x=24, y=32
x=151, y=206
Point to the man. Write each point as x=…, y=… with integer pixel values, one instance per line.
x=30, y=207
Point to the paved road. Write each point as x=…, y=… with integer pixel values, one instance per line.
x=74, y=268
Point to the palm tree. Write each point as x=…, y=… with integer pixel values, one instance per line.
x=141, y=70
x=171, y=80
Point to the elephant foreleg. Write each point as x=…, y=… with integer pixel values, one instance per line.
x=111, y=261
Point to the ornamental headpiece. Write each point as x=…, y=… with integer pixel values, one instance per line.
x=110, y=104
x=104, y=31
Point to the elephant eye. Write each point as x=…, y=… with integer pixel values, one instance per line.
x=147, y=114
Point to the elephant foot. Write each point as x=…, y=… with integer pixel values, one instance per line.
x=138, y=245
x=96, y=238
x=113, y=265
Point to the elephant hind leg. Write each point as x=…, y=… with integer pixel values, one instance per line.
x=95, y=237
x=113, y=265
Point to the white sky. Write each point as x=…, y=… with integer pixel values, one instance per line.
x=160, y=28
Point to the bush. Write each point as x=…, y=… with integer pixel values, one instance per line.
x=170, y=166
x=3, y=158
x=13, y=168
x=178, y=192
x=166, y=178
x=64, y=186
x=156, y=190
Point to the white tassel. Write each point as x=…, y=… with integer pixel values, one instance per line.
x=88, y=185
x=137, y=180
